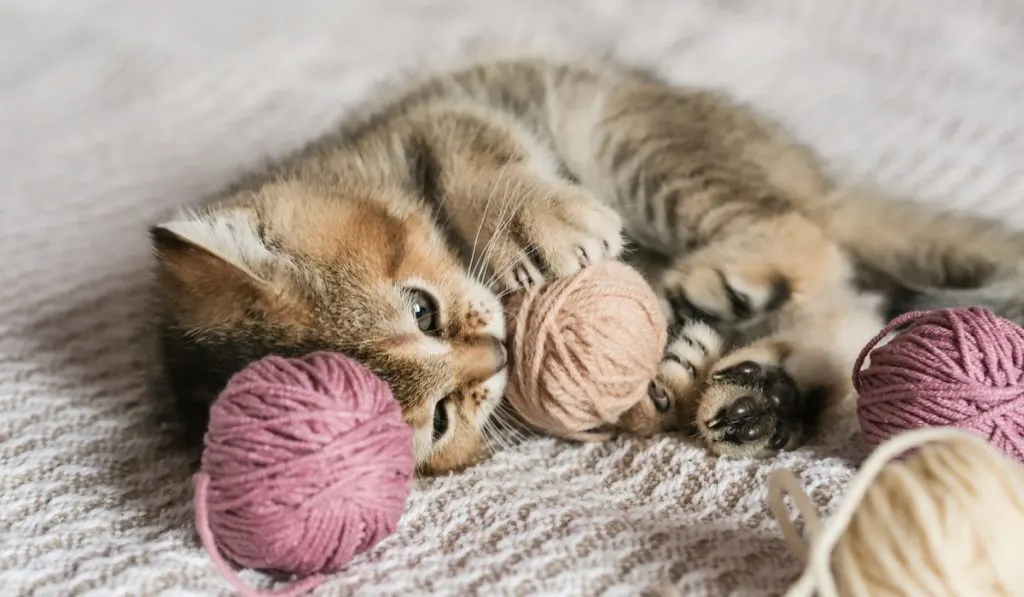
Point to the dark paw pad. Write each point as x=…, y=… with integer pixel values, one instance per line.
x=766, y=410
x=747, y=372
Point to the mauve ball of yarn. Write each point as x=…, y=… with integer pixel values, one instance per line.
x=308, y=462
x=584, y=349
x=961, y=367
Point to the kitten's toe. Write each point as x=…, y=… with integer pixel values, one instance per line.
x=672, y=397
x=569, y=233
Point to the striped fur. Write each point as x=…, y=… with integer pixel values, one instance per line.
x=394, y=237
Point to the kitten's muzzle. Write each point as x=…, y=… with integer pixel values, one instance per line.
x=480, y=358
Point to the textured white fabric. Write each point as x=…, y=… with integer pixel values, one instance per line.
x=113, y=111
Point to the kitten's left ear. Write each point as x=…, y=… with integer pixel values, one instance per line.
x=207, y=270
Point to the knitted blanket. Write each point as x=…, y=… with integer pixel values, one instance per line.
x=112, y=112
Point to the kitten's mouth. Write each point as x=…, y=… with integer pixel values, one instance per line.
x=494, y=393
x=501, y=355
x=510, y=310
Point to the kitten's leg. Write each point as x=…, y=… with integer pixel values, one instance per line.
x=546, y=229
x=503, y=197
x=707, y=182
x=675, y=394
x=744, y=277
x=771, y=395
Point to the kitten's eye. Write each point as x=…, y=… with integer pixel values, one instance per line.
x=440, y=418
x=424, y=309
x=659, y=396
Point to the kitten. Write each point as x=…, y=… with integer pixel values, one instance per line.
x=394, y=237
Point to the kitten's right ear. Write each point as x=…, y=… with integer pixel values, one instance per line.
x=200, y=281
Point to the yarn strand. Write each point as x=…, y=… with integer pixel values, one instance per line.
x=892, y=326
x=202, y=482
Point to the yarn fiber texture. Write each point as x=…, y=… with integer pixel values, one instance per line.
x=944, y=521
x=952, y=367
x=584, y=349
x=307, y=463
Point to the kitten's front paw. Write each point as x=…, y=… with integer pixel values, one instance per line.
x=673, y=395
x=752, y=410
x=556, y=236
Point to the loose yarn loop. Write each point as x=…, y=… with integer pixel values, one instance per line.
x=945, y=521
x=584, y=349
x=952, y=367
x=308, y=462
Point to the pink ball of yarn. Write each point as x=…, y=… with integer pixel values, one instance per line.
x=307, y=463
x=952, y=368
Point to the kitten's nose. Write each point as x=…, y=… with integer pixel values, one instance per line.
x=480, y=358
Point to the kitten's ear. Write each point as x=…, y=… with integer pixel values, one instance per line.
x=205, y=275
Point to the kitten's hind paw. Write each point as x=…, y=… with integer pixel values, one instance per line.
x=752, y=410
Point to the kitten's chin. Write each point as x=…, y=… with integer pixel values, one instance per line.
x=494, y=391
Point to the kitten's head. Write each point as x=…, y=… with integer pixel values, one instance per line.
x=288, y=270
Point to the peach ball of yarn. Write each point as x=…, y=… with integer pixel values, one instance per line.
x=584, y=349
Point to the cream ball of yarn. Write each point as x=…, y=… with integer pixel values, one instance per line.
x=944, y=520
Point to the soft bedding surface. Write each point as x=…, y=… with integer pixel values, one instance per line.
x=114, y=111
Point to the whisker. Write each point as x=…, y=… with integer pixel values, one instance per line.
x=479, y=228
x=493, y=437
x=497, y=428
x=511, y=203
x=505, y=216
x=509, y=211
x=507, y=418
